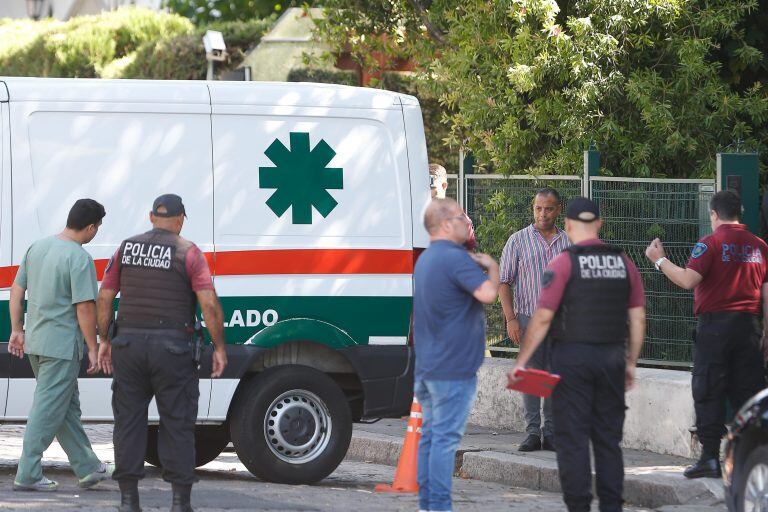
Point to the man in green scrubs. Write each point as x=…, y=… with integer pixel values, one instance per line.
x=59, y=279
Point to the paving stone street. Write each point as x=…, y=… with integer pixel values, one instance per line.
x=226, y=485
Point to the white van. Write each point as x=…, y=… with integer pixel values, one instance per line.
x=307, y=201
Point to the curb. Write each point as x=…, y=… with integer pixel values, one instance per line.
x=650, y=487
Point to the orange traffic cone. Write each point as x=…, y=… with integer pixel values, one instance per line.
x=405, y=474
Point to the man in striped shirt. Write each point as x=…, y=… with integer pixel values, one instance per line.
x=523, y=261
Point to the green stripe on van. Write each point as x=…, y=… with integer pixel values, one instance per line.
x=359, y=317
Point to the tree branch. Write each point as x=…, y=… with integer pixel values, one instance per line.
x=436, y=34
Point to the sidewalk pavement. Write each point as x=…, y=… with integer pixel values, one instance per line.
x=652, y=480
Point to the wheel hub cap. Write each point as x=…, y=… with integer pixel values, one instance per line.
x=297, y=426
x=756, y=491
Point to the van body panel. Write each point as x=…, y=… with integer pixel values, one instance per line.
x=121, y=155
x=320, y=205
x=79, y=90
x=418, y=163
x=290, y=95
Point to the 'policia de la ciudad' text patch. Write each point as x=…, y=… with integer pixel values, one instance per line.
x=147, y=255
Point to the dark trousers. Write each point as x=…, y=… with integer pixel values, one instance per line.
x=727, y=363
x=588, y=405
x=147, y=363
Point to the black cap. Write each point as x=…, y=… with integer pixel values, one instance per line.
x=582, y=209
x=172, y=204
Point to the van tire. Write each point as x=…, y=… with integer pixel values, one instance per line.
x=210, y=441
x=307, y=409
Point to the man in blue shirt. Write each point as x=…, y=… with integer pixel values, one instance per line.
x=451, y=286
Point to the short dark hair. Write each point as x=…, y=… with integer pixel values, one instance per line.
x=548, y=191
x=727, y=205
x=84, y=213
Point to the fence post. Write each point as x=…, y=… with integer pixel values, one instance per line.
x=740, y=172
x=460, y=182
x=591, y=168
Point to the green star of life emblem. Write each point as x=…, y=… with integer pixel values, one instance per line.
x=301, y=178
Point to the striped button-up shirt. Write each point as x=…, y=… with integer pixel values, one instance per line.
x=523, y=261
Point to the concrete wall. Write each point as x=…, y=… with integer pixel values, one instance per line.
x=660, y=408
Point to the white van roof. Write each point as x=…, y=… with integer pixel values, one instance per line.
x=202, y=92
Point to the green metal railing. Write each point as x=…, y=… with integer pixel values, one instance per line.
x=676, y=211
x=635, y=211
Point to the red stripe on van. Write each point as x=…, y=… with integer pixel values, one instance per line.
x=287, y=261
x=314, y=261
x=7, y=275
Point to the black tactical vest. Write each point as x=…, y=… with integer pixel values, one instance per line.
x=594, y=304
x=155, y=290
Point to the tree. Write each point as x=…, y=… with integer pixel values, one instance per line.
x=659, y=85
x=202, y=12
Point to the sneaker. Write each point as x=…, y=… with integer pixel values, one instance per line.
x=43, y=485
x=105, y=471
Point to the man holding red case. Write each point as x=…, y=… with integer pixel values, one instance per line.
x=590, y=294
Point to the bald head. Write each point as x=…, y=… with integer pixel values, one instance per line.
x=438, y=211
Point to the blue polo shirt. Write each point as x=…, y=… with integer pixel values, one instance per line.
x=448, y=322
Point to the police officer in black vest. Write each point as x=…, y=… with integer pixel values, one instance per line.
x=153, y=348
x=592, y=301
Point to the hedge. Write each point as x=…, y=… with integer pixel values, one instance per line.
x=127, y=43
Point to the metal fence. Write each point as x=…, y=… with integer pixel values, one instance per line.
x=635, y=212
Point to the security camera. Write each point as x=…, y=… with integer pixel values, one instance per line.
x=215, y=49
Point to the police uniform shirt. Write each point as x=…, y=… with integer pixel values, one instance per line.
x=732, y=262
x=558, y=273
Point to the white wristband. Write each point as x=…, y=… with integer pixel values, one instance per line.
x=659, y=262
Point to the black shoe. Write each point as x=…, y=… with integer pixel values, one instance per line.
x=532, y=443
x=704, y=468
x=181, y=498
x=549, y=443
x=129, y=496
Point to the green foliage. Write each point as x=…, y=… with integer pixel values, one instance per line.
x=659, y=85
x=204, y=12
x=82, y=47
x=128, y=43
x=323, y=76
x=183, y=57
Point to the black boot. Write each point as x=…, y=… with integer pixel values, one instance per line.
x=129, y=496
x=182, y=495
x=532, y=443
x=706, y=467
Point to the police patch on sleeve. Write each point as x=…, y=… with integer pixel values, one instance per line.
x=698, y=249
x=546, y=278
x=109, y=264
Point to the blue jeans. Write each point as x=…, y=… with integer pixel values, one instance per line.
x=446, y=405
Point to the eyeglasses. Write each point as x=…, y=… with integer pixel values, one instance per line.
x=462, y=218
x=432, y=181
